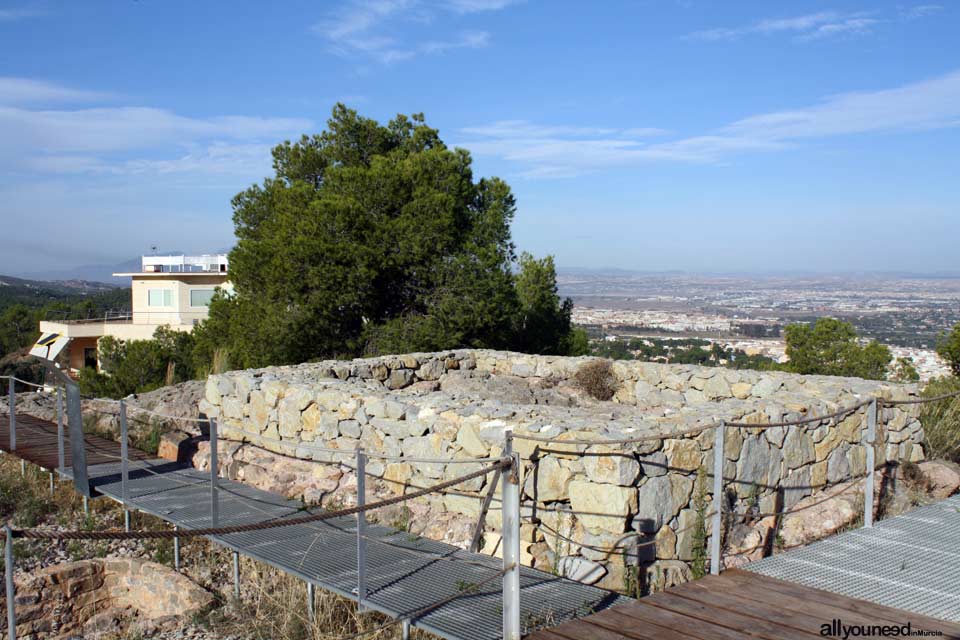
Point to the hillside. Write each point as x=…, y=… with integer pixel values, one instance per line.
x=37, y=293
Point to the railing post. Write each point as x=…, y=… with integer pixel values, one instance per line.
x=12, y=400
x=311, y=604
x=871, y=437
x=61, y=462
x=78, y=451
x=361, y=528
x=511, y=542
x=214, y=494
x=176, y=550
x=236, y=575
x=124, y=467
x=11, y=592
x=716, y=534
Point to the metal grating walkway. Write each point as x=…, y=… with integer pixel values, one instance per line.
x=909, y=562
x=404, y=572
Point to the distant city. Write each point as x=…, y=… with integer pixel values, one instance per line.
x=748, y=313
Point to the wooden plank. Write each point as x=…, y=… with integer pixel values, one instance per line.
x=745, y=624
x=863, y=607
x=692, y=627
x=584, y=629
x=616, y=620
x=762, y=591
x=712, y=595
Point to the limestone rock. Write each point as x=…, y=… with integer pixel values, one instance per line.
x=609, y=466
x=548, y=481
x=659, y=499
x=683, y=455
x=941, y=478
x=602, y=507
x=581, y=569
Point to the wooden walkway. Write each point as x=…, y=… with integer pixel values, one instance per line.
x=736, y=605
x=37, y=444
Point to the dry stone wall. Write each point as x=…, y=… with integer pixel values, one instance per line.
x=584, y=500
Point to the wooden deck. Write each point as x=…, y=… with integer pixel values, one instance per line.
x=737, y=605
x=37, y=444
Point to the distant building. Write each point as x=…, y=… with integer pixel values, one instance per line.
x=172, y=291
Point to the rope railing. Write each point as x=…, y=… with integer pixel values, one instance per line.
x=47, y=534
x=943, y=396
x=24, y=382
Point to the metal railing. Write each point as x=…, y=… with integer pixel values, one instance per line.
x=511, y=509
x=508, y=466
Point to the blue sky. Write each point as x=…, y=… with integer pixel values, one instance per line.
x=693, y=135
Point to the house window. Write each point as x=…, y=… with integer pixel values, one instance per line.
x=201, y=297
x=159, y=298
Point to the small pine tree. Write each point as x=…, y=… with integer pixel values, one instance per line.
x=700, y=502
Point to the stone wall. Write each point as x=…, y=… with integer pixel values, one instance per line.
x=66, y=600
x=458, y=405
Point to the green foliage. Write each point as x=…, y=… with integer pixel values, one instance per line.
x=137, y=366
x=941, y=420
x=949, y=349
x=701, y=501
x=374, y=239
x=904, y=371
x=24, y=303
x=681, y=351
x=830, y=347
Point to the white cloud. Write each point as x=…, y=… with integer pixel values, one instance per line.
x=921, y=11
x=12, y=15
x=564, y=151
x=27, y=91
x=369, y=28
x=119, y=139
x=805, y=27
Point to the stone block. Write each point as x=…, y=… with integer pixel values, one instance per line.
x=602, y=507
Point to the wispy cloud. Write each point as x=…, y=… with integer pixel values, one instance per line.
x=921, y=11
x=810, y=26
x=369, y=28
x=28, y=91
x=559, y=151
x=13, y=15
x=121, y=139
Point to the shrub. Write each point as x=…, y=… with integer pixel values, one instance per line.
x=596, y=379
x=941, y=420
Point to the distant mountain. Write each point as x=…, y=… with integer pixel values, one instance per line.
x=99, y=273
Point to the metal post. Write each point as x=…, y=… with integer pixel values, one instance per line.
x=23, y=468
x=51, y=483
x=124, y=467
x=717, y=497
x=61, y=463
x=214, y=495
x=78, y=451
x=86, y=506
x=406, y=630
x=361, y=528
x=176, y=550
x=12, y=399
x=311, y=604
x=236, y=575
x=11, y=593
x=511, y=542
x=871, y=438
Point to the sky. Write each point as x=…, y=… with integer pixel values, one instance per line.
x=691, y=135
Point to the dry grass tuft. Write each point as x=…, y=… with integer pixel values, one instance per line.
x=941, y=420
x=596, y=379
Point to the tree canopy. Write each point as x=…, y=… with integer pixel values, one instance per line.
x=949, y=349
x=830, y=347
x=374, y=239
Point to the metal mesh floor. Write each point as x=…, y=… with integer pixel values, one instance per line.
x=909, y=562
x=404, y=572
